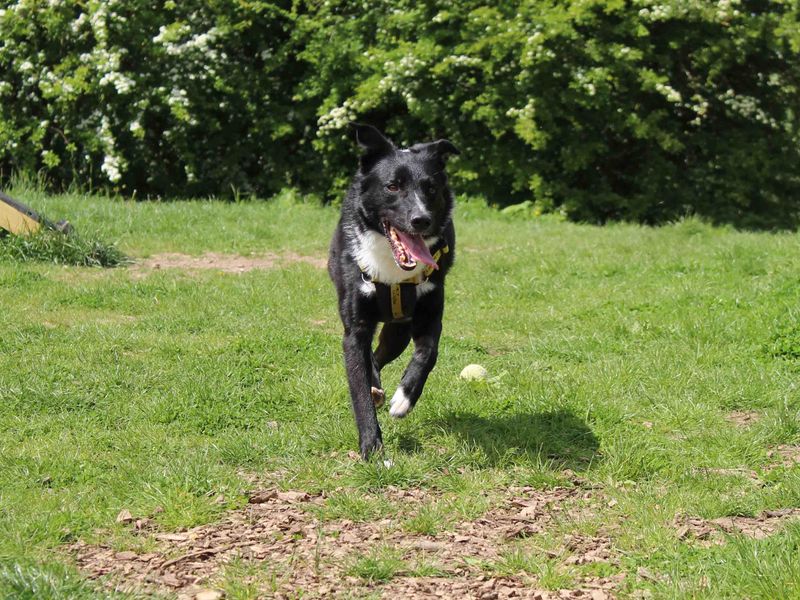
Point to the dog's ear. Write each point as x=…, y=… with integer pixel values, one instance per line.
x=375, y=145
x=371, y=139
x=443, y=148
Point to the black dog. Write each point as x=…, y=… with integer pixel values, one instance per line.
x=389, y=256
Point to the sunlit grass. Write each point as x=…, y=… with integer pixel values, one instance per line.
x=48, y=245
x=614, y=354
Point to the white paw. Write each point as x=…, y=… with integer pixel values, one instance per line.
x=400, y=405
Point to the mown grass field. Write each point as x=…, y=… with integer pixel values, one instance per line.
x=617, y=354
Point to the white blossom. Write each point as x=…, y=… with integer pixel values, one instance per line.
x=670, y=93
x=111, y=168
x=336, y=118
x=122, y=83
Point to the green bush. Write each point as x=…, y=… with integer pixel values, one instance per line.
x=174, y=98
x=619, y=109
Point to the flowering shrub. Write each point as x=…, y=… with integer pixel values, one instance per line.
x=176, y=98
x=635, y=109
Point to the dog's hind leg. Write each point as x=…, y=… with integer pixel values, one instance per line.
x=376, y=390
x=393, y=339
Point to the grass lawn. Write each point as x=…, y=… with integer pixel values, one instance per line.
x=655, y=371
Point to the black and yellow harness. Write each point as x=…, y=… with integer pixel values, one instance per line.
x=396, y=301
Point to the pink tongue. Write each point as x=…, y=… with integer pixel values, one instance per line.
x=417, y=249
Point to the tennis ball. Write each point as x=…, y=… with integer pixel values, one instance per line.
x=474, y=373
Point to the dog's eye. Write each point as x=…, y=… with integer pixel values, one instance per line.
x=392, y=187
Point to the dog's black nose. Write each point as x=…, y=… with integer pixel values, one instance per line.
x=420, y=222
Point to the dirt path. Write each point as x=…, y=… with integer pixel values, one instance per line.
x=227, y=263
x=278, y=547
x=299, y=552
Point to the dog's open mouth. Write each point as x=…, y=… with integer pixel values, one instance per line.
x=408, y=248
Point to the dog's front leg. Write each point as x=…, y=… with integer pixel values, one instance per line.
x=358, y=361
x=425, y=333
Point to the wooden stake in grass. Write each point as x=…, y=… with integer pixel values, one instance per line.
x=20, y=219
x=36, y=238
x=16, y=217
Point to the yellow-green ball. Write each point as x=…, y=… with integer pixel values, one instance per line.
x=474, y=373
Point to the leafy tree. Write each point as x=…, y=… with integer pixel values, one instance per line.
x=622, y=109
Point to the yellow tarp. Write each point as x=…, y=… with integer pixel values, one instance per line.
x=16, y=220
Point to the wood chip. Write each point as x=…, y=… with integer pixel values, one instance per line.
x=124, y=516
x=171, y=580
x=172, y=537
x=262, y=496
x=292, y=496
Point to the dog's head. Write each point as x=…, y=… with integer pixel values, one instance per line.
x=403, y=192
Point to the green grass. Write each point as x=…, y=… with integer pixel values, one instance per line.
x=247, y=581
x=616, y=353
x=382, y=564
x=547, y=572
x=22, y=581
x=60, y=248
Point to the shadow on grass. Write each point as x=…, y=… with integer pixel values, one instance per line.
x=557, y=437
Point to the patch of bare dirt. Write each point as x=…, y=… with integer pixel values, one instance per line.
x=227, y=263
x=277, y=532
x=785, y=455
x=729, y=472
x=485, y=587
x=713, y=531
x=743, y=418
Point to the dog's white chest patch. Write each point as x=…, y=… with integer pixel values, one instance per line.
x=374, y=256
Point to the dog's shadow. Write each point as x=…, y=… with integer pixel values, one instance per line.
x=555, y=438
